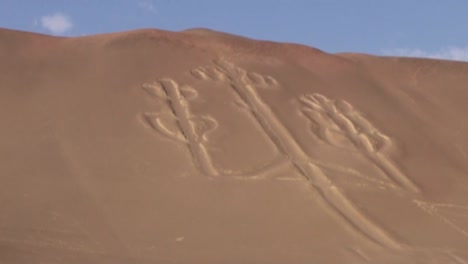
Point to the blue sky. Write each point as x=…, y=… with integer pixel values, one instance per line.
x=424, y=28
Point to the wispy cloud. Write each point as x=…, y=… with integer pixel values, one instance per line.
x=147, y=5
x=57, y=23
x=450, y=53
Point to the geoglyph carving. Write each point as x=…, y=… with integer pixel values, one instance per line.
x=334, y=122
x=337, y=123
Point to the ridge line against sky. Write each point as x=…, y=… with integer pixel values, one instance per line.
x=434, y=29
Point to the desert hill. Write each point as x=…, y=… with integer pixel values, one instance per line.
x=197, y=146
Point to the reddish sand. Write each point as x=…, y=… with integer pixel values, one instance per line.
x=152, y=146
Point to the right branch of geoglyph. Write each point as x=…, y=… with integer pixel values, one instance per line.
x=337, y=123
x=453, y=215
x=331, y=119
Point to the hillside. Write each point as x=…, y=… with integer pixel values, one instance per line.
x=151, y=146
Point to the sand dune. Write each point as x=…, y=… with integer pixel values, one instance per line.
x=198, y=146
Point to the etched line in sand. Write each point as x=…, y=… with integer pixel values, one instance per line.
x=208, y=73
x=346, y=170
x=287, y=145
x=447, y=213
x=359, y=254
x=262, y=171
x=166, y=124
x=49, y=243
x=457, y=259
x=155, y=89
x=259, y=80
x=216, y=73
x=337, y=123
x=462, y=152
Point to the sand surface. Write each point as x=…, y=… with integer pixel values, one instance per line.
x=202, y=147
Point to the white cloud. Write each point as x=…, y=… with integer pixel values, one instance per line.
x=450, y=53
x=147, y=5
x=57, y=23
